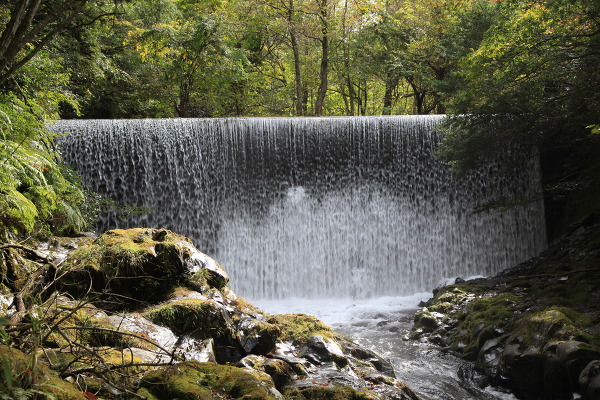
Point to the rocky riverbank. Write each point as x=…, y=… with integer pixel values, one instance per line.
x=535, y=328
x=141, y=313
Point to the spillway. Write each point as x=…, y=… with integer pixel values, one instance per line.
x=347, y=207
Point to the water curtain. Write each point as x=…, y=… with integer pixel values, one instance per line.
x=309, y=207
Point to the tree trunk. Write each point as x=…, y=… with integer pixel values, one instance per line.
x=324, y=70
x=391, y=83
x=299, y=100
x=298, y=88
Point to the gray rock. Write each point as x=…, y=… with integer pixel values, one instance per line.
x=319, y=350
x=589, y=381
x=563, y=363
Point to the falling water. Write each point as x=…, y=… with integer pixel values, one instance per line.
x=351, y=207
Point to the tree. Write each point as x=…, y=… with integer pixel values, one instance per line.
x=533, y=86
x=33, y=24
x=38, y=193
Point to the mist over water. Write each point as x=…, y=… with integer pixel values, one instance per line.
x=351, y=207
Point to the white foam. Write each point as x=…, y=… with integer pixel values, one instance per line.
x=344, y=311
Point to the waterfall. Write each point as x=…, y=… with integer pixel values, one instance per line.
x=308, y=207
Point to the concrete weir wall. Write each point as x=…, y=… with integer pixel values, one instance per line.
x=309, y=207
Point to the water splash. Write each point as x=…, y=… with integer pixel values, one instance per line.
x=309, y=207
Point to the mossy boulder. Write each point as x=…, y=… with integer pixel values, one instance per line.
x=201, y=319
x=531, y=328
x=140, y=265
x=22, y=372
x=299, y=328
x=192, y=380
x=426, y=321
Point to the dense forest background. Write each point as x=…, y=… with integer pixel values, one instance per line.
x=513, y=74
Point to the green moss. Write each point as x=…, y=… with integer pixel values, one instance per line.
x=21, y=371
x=483, y=316
x=551, y=324
x=201, y=319
x=442, y=307
x=265, y=329
x=425, y=321
x=146, y=394
x=496, y=310
x=141, y=264
x=300, y=327
x=327, y=393
x=193, y=380
x=280, y=372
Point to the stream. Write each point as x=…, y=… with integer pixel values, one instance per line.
x=383, y=325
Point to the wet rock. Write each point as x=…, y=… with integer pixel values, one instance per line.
x=141, y=326
x=206, y=272
x=319, y=350
x=488, y=359
x=426, y=321
x=300, y=366
x=563, y=363
x=363, y=355
x=521, y=364
x=280, y=371
x=194, y=349
x=589, y=381
x=258, y=337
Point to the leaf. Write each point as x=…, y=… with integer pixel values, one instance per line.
x=594, y=129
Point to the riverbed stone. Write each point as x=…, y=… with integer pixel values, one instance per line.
x=564, y=362
x=320, y=350
x=370, y=357
x=589, y=381
x=257, y=336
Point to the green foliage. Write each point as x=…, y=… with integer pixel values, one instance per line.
x=38, y=192
x=531, y=87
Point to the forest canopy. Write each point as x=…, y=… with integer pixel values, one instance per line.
x=512, y=74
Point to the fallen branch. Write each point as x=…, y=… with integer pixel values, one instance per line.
x=41, y=257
